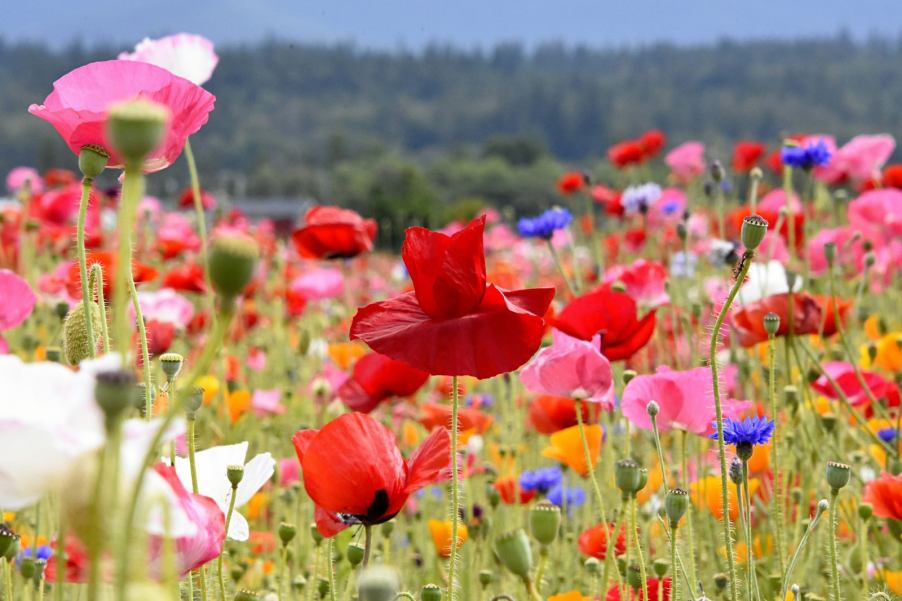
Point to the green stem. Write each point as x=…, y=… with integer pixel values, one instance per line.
x=147, y=368
x=201, y=216
x=684, y=452
x=97, y=276
x=86, y=184
x=540, y=571
x=560, y=267
x=222, y=593
x=664, y=469
x=798, y=552
x=634, y=530
x=777, y=501
x=834, y=565
x=750, y=558
x=718, y=410
x=132, y=192
x=455, y=490
x=367, y=545
x=674, y=579
x=331, y=563
x=590, y=469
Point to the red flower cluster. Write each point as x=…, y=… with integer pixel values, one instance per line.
x=634, y=152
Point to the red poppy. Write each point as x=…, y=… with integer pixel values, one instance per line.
x=892, y=176
x=611, y=314
x=377, y=378
x=736, y=217
x=548, y=414
x=571, y=183
x=59, y=177
x=437, y=415
x=652, y=142
x=613, y=593
x=510, y=492
x=159, y=336
x=333, y=233
x=774, y=161
x=746, y=154
x=186, y=199
x=355, y=473
x=77, y=562
x=846, y=378
x=748, y=319
x=825, y=302
x=609, y=198
x=295, y=302
x=624, y=154
x=593, y=542
x=885, y=495
x=106, y=259
x=454, y=322
x=185, y=278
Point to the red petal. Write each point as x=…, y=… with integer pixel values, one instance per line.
x=499, y=338
x=349, y=461
x=301, y=441
x=430, y=463
x=448, y=272
x=377, y=378
x=605, y=311
x=327, y=523
x=626, y=348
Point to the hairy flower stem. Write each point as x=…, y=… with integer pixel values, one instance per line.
x=97, y=278
x=834, y=562
x=192, y=450
x=777, y=501
x=201, y=217
x=222, y=594
x=690, y=534
x=590, y=469
x=664, y=468
x=718, y=410
x=787, y=576
x=86, y=184
x=455, y=491
x=610, y=548
x=560, y=268
x=746, y=498
x=146, y=367
x=674, y=579
x=367, y=545
x=330, y=549
x=634, y=530
x=132, y=192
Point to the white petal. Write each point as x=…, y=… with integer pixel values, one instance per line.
x=257, y=472
x=238, y=527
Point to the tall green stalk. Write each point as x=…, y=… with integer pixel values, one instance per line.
x=455, y=491
x=86, y=184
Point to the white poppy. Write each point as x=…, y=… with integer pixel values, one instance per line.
x=212, y=481
x=766, y=279
x=184, y=54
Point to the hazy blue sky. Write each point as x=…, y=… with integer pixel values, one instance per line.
x=413, y=23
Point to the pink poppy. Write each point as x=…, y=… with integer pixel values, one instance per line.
x=289, y=471
x=775, y=200
x=685, y=398
x=319, y=283
x=644, y=281
x=187, y=55
x=256, y=360
x=843, y=373
x=265, y=402
x=18, y=300
x=860, y=159
x=849, y=253
x=668, y=209
x=167, y=306
x=686, y=161
x=571, y=368
x=78, y=105
x=19, y=176
x=878, y=210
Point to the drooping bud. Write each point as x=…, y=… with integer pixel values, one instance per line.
x=754, y=228
x=136, y=127
x=76, y=346
x=515, y=553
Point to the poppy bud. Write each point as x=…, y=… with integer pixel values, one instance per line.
x=485, y=578
x=830, y=252
x=515, y=553
x=593, y=565
x=494, y=496
x=54, y=354
x=232, y=261
x=754, y=228
x=76, y=346
x=717, y=172
x=822, y=506
x=628, y=374
x=627, y=476
x=660, y=567
x=314, y=532
x=791, y=396
x=544, y=522
x=113, y=392
x=355, y=553
x=92, y=160
x=634, y=577
x=194, y=401
x=676, y=503
x=865, y=511
x=771, y=323
x=171, y=364
x=869, y=259
x=61, y=310
x=7, y=538
x=736, y=470
x=431, y=592
x=618, y=286
x=756, y=173
x=721, y=581
x=378, y=583
x=245, y=595
x=235, y=473
x=322, y=587
x=287, y=532
x=653, y=408
x=136, y=127
x=829, y=421
x=837, y=475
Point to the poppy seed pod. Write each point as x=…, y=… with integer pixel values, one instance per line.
x=544, y=522
x=754, y=228
x=92, y=160
x=485, y=578
x=515, y=553
x=627, y=476
x=379, y=583
x=634, y=577
x=76, y=346
x=676, y=503
x=235, y=473
x=7, y=538
x=136, y=127
x=193, y=401
x=628, y=375
x=830, y=252
x=113, y=392
x=287, y=532
x=593, y=565
x=721, y=581
x=431, y=592
x=837, y=475
x=245, y=595
x=653, y=408
x=171, y=364
x=355, y=553
x=660, y=567
x=865, y=511
x=232, y=261
x=771, y=323
x=756, y=173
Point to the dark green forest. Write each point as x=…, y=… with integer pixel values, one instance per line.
x=425, y=129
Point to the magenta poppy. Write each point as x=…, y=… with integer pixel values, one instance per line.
x=377, y=378
x=454, y=323
x=613, y=316
x=78, y=105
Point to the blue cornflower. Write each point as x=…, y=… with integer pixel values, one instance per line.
x=45, y=552
x=541, y=480
x=480, y=400
x=806, y=157
x=575, y=496
x=545, y=224
x=888, y=434
x=744, y=434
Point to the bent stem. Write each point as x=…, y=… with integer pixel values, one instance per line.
x=201, y=216
x=455, y=491
x=798, y=552
x=718, y=410
x=86, y=184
